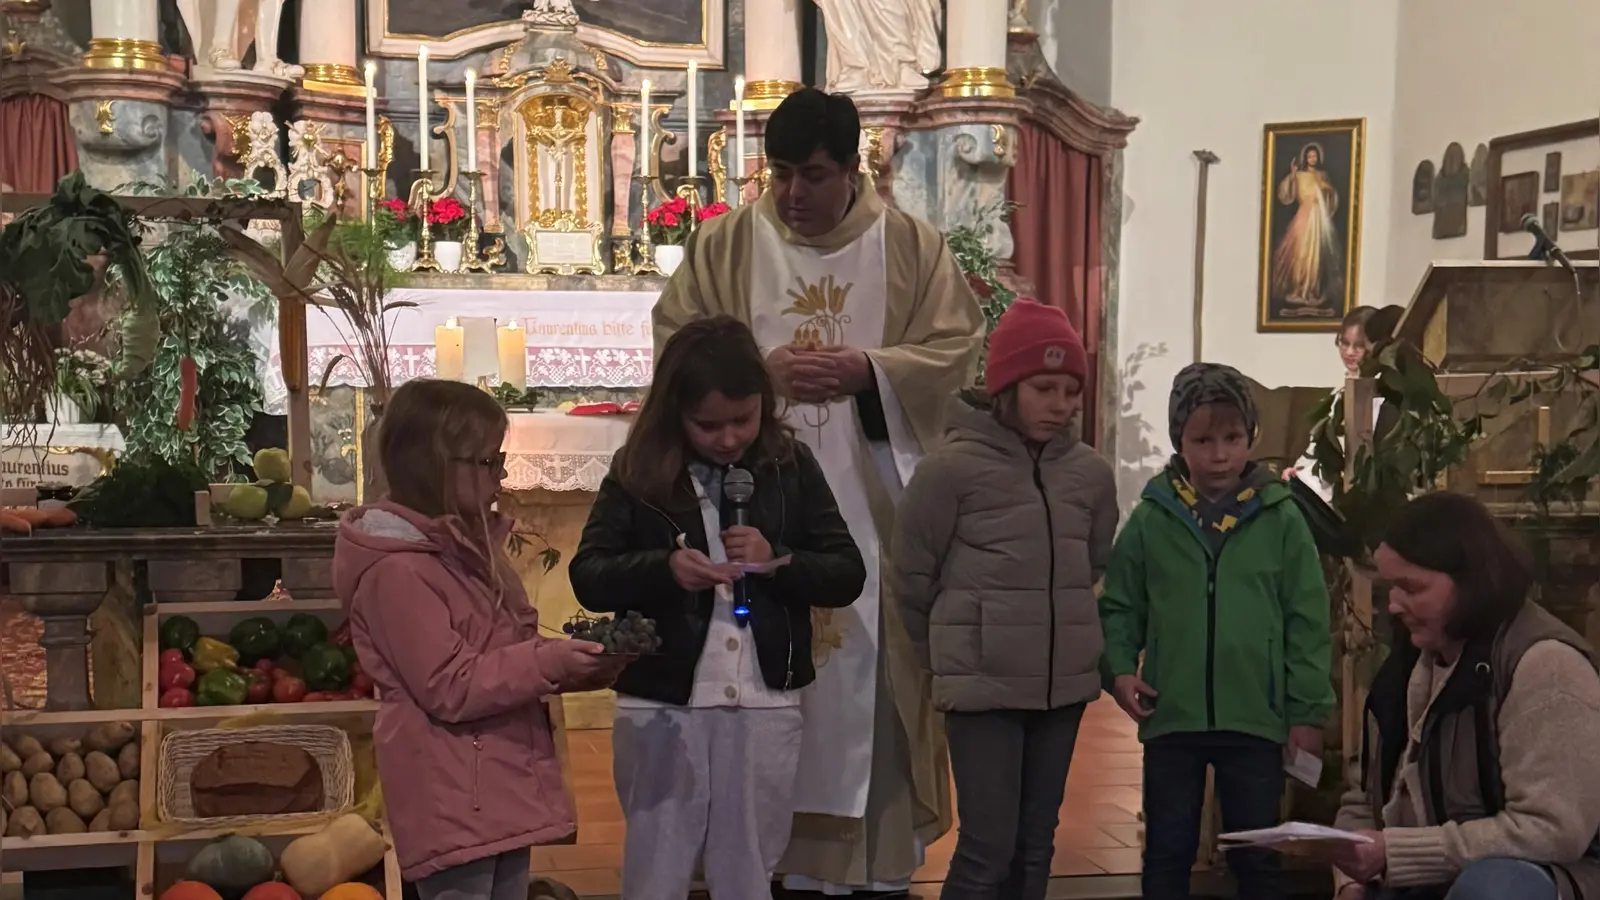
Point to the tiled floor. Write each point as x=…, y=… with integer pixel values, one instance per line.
x=1098, y=835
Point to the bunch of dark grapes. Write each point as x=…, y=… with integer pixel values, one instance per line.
x=631, y=634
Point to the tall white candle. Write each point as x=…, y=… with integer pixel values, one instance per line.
x=422, y=101
x=449, y=359
x=372, y=115
x=694, y=116
x=472, y=121
x=513, y=346
x=738, y=138
x=644, y=129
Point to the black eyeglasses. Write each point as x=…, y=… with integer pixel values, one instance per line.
x=497, y=461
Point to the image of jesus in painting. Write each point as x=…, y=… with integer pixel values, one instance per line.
x=1307, y=265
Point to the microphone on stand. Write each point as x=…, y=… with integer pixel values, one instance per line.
x=1544, y=246
x=738, y=488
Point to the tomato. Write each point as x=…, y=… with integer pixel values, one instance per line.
x=289, y=689
x=175, y=674
x=362, y=685
x=176, y=698
x=265, y=666
x=260, y=689
x=172, y=656
x=318, y=697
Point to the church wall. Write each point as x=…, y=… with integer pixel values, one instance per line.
x=1209, y=76
x=1469, y=71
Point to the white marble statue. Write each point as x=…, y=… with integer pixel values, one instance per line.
x=551, y=13
x=881, y=46
x=220, y=47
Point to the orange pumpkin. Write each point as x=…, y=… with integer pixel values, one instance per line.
x=190, y=890
x=352, y=890
x=272, y=890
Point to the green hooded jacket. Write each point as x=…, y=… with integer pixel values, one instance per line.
x=1235, y=639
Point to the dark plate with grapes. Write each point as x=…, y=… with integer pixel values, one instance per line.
x=627, y=636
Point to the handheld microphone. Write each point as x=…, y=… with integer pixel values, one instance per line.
x=738, y=488
x=1544, y=246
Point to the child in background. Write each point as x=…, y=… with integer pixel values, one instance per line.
x=999, y=540
x=443, y=625
x=1216, y=581
x=707, y=734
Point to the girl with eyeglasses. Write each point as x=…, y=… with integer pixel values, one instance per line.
x=706, y=739
x=443, y=625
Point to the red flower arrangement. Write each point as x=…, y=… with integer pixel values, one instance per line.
x=447, y=219
x=669, y=222
x=396, y=223
x=707, y=213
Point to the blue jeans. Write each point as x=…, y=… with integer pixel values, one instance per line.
x=1496, y=878
x=1249, y=788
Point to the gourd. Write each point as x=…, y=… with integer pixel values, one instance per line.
x=317, y=862
x=190, y=890
x=233, y=863
x=352, y=890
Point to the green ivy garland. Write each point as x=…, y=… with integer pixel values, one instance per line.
x=969, y=244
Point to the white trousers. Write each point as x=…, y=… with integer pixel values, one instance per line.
x=714, y=784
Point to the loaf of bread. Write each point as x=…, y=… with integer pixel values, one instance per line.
x=253, y=778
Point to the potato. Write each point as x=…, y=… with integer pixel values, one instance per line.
x=64, y=821
x=46, y=793
x=14, y=791
x=124, y=817
x=111, y=737
x=101, y=822
x=101, y=772
x=84, y=799
x=128, y=761
x=9, y=760
x=62, y=746
x=26, y=745
x=70, y=768
x=39, y=762
x=126, y=792
x=25, y=822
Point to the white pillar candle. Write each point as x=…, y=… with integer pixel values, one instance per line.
x=372, y=115
x=422, y=102
x=472, y=121
x=448, y=351
x=644, y=129
x=513, y=344
x=738, y=138
x=694, y=116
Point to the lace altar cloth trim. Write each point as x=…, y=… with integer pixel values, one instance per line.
x=558, y=452
x=556, y=471
x=547, y=366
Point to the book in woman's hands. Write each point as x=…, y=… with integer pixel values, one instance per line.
x=1292, y=837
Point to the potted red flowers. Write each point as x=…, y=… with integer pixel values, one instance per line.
x=399, y=229
x=669, y=226
x=447, y=224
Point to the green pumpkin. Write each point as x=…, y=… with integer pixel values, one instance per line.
x=233, y=864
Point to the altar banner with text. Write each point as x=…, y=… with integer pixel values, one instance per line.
x=575, y=338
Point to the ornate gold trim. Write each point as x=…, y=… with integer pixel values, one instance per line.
x=566, y=223
x=976, y=81
x=621, y=119
x=333, y=73
x=105, y=116
x=766, y=94
x=124, y=53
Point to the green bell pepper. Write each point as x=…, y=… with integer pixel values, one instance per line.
x=255, y=638
x=180, y=633
x=222, y=687
x=302, y=632
x=327, y=669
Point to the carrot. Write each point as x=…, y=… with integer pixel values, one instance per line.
x=35, y=517
x=61, y=517
x=11, y=522
x=189, y=386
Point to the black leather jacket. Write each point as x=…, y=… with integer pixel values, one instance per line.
x=621, y=565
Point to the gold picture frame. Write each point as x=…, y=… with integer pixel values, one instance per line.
x=1311, y=208
x=559, y=245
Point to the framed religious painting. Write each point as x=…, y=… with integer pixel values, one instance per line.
x=647, y=33
x=1310, y=224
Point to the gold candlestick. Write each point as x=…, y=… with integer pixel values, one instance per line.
x=421, y=200
x=689, y=190
x=622, y=254
x=374, y=186
x=471, y=261
x=647, y=253
x=739, y=182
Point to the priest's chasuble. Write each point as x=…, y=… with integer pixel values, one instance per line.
x=884, y=283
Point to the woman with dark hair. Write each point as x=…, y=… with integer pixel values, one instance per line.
x=1481, y=746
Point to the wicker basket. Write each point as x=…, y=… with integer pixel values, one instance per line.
x=181, y=751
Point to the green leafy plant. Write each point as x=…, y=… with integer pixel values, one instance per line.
x=969, y=244
x=81, y=376
x=142, y=492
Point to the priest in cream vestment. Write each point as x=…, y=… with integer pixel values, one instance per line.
x=869, y=327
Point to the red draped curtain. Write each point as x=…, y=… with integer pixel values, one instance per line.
x=1056, y=232
x=36, y=144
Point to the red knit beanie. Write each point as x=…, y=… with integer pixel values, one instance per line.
x=1032, y=339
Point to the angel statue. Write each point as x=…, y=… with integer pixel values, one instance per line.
x=222, y=46
x=547, y=13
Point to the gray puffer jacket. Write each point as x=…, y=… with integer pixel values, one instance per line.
x=996, y=552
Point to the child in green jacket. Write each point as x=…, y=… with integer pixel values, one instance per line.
x=1215, y=580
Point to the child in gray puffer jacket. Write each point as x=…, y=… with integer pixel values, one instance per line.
x=1000, y=538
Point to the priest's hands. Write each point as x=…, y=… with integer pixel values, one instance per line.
x=819, y=376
